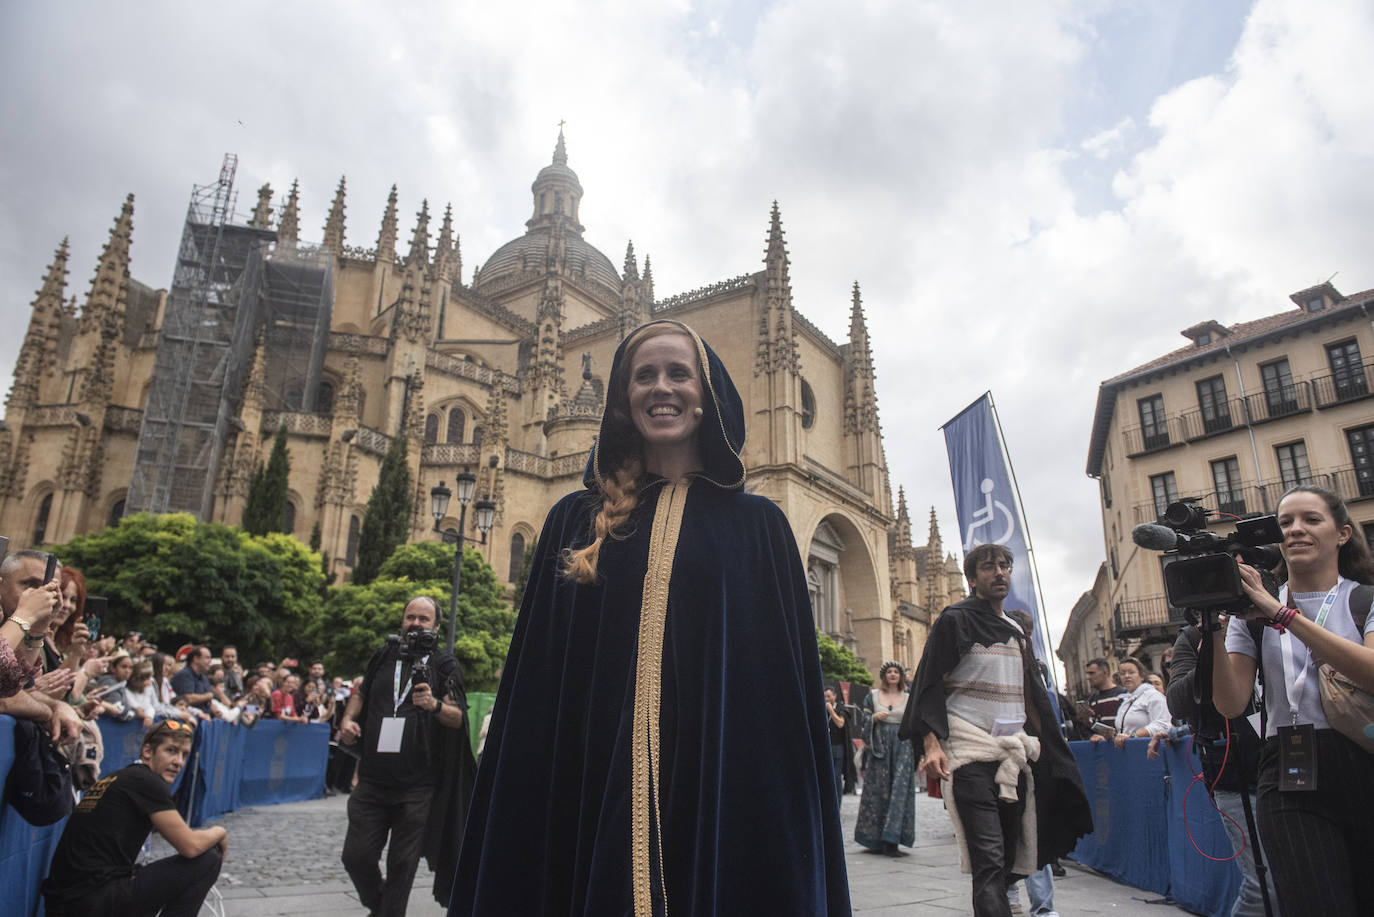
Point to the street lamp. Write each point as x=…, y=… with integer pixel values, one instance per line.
x=486, y=511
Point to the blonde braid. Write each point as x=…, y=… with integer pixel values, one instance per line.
x=619, y=495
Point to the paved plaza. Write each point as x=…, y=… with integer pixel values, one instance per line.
x=284, y=860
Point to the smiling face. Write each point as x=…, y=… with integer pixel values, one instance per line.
x=892, y=678
x=665, y=393
x=65, y=609
x=1311, y=538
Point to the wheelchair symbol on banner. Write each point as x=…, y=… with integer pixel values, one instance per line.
x=986, y=515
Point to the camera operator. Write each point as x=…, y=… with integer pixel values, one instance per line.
x=1232, y=787
x=415, y=769
x=1315, y=796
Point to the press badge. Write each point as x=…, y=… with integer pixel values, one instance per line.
x=1297, y=758
x=393, y=730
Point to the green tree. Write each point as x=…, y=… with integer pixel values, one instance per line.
x=265, y=508
x=357, y=618
x=386, y=521
x=179, y=580
x=838, y=662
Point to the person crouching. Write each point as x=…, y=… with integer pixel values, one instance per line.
x=93, y=872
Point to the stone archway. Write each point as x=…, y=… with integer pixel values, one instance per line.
x=843, y=583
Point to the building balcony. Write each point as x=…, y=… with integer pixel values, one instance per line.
x=1284, y=401
x=1199, y=424
x=1142, y=441
x=1341, y=388
x=1142, y=617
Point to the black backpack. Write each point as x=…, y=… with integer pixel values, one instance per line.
x=40, y=782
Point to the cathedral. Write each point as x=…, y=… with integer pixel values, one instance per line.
x=146, y=399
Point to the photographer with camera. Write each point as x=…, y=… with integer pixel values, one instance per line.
x=415, y=764
x=1315, y=798
x=1229, y=752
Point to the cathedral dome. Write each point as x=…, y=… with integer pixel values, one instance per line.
x=554, y=236
x=530, y=254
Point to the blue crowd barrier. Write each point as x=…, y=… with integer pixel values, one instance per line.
x=1139, y=833
x=25, y=851
x=283, y=762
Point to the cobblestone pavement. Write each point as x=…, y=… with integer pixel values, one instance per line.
x=284, y=860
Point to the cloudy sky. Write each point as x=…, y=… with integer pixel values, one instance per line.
x=1033, y=195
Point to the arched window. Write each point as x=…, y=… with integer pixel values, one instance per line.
x=431, y=429
x=324, y=398
x=290, y=517
x=40, y=523
x=808, y=406
x=517, y=556
x=354, y=528
x=457, y=420
x=116, y=512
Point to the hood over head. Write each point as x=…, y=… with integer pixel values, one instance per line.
x=720, y=436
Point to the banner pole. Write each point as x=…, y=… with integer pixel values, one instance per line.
x=1044, y=623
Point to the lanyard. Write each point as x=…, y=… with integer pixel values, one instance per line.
x=397, y=691
x=1294, y=682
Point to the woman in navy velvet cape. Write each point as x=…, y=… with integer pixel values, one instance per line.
x=741, y=815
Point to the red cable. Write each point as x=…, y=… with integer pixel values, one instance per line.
x=1196, y=779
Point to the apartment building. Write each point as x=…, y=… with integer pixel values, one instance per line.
x=1233, y=418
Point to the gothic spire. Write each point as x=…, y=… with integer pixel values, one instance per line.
x=288, y=230
x=860, y=398
x=38, y=353
x=903, y=525
x=419, y=241
x=648, y=284
x=631, y=269
x=102, y=321
x=386, y=239
x=334, y=225
x=776, y=347
x=444, y=250
x=560, y=150
x=262, y=213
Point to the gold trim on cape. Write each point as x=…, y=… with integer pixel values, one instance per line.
x=646, y=821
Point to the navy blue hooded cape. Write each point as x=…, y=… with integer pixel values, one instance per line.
x=748, y=820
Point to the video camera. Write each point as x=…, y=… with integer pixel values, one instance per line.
x=415, y=646
x=1205, y=577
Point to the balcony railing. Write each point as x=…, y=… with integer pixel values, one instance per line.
x=1140, y=441
x=1136, y=616
x=1283, y=401
x=450, y=454
x=1226, y=416
x=1339, y=388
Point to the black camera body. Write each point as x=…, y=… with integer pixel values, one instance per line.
x=1205, y=576
x=415, y=646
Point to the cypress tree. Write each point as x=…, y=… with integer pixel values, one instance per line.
x=386, y=521
x=265, y=509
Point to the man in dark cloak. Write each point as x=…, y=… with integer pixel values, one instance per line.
x=744, y=819
x=978, y=678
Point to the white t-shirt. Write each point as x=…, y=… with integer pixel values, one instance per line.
x=1338, y=622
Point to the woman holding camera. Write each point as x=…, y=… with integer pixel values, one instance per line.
x=658, y=743
x=1316, y=795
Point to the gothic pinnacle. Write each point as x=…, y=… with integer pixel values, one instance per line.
x=631, y=269
x=334, y=225
x=419, y=241
x=386, y=239
x=288, y=230
x=262, y=213
x=560, y=150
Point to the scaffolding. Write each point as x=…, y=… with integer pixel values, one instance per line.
x=230, y=282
